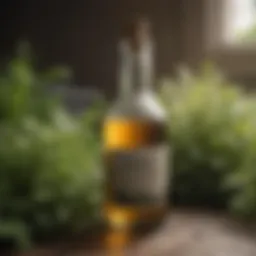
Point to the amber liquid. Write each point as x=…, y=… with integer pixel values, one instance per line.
x=128, y=135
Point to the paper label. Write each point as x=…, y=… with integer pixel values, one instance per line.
x=139, y=176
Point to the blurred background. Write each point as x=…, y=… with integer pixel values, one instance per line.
x=84, y=35
x=50, y=164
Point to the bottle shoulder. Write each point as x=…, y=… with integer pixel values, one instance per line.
x=143, y=106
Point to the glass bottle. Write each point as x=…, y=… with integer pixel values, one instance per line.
x=136, y=151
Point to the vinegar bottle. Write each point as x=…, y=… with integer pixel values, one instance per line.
x=136, y=151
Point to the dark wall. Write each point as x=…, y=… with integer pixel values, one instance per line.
x=193, y=31
x=9, y=25
x=84, y=34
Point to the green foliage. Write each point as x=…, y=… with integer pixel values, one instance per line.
x=247, y=36
x=50, y=179
x=212, y=132
x=22, y=88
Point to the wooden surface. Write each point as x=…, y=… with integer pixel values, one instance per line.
x=182, y=234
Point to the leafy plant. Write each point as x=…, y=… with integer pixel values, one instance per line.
x=210, y=132
x=49, y=160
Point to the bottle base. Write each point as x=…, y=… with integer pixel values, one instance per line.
x=134, y=217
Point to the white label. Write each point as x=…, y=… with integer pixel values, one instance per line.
x=141, y=174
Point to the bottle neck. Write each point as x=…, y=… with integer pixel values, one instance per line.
x=125, y=71
x=143, y=69
x=136, y=72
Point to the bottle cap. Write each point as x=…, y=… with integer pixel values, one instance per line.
x=139, y=33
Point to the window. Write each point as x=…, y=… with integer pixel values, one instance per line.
x=240, y=21
x=230, y=30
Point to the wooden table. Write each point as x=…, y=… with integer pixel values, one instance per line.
x=184, y=233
